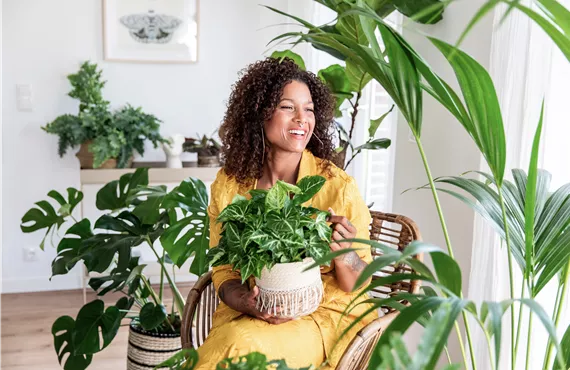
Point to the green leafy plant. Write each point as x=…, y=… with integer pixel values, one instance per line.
x=204, y=146
x=272, y=227
x=109, y=134
x=135, y=215
x=529, y=219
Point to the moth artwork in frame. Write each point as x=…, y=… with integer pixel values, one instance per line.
x=151, y=31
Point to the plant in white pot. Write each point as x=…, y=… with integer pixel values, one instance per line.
x=275, y=239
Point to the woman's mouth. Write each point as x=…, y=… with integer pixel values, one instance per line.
x=298, y=134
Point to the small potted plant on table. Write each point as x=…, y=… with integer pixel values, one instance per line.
x=207, y=148
x=107, y=139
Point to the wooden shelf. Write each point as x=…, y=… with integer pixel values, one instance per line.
x=155, y=175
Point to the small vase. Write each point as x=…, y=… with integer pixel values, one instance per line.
x=288, y=291
x=148, y=349
x=208, y=161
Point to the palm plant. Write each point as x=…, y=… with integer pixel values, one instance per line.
x=404, y=74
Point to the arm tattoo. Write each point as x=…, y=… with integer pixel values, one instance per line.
x=354, y=262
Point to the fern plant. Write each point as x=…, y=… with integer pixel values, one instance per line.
x=109, y=134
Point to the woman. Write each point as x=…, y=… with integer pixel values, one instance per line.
x=278, y=127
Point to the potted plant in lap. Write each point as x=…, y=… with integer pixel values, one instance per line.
x=207, y=148
x=272, y=237
x=107, y=139
x=136, y=215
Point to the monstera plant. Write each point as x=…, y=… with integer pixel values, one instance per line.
x=173, y=224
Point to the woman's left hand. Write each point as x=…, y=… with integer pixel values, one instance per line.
x=342, y=229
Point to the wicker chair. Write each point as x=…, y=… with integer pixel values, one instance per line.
x=393, y=230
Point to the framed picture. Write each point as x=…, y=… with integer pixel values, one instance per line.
x=151, y=31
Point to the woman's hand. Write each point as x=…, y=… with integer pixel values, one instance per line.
x=240, y=298
x=348, y=265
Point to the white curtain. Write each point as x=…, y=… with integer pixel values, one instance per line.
x=526, y=69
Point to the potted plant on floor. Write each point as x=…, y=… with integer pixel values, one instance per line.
x=272, y=237
x=207, y=148
x=106, y=139
x=135, y=215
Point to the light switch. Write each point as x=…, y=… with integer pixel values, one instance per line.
x=24, y=98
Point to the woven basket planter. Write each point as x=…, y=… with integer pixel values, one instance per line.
x=146, y=349
x=289, y=292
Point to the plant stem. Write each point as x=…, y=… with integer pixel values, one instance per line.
x=162, y=272
x=354, y=113
x=528, y=338
x=518, y=332
x=450, y=251
x=177, y=296
x=152, y=292
x=558, y=309
x=511, y=279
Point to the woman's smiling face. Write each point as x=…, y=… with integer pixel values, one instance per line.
x=291, y=126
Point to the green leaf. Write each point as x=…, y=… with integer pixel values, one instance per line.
x=530, y=199
x=565, y=351
x=448, y=271
x=147, y=201
x=185, y=359
x=357, y=77
x=483, y=107
x=191, y=234
x=437, y=333
x=93, y=324
x=113, y=196
x=422, y=11
x=405, y=79
x=374, y=144
x=275, y=199
x=62, y=330
x=375, y=123
x=151, y=315
x=291, y=55
x=495, y=328
x=335, y=77
x=68, y=248
x=309, y=185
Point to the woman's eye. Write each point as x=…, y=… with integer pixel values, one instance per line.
x=311, y=110
x=287, y=107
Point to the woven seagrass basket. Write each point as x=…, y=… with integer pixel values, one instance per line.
x=287, y=291
x=147, y=349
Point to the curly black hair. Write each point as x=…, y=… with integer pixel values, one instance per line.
x=253, y=100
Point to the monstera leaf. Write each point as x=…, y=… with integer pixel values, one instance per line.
x=190, y=234
x=114, y=195
x=45, y=215
x=147, y=201
x=82, y=337
x=68, y=249
x=152, y=315
x=62, y=331
x=117, y=279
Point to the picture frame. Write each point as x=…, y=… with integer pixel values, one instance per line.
x=151, y=31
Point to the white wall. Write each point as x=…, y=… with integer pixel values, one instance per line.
x=46, y=41
x=449, y=149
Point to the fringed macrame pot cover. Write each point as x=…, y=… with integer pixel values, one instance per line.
x=148, y=349
x=287, y=291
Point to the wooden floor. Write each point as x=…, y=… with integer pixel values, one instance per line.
x=27, y=342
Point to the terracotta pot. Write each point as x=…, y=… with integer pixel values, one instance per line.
x=208, y=161
x=147, y=349
x=86, y=159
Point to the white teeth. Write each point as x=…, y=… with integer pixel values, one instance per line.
x=297, y=132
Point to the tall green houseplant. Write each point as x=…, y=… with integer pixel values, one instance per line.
x=530, y=220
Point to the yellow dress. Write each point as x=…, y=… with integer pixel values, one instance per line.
x=307, y=340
